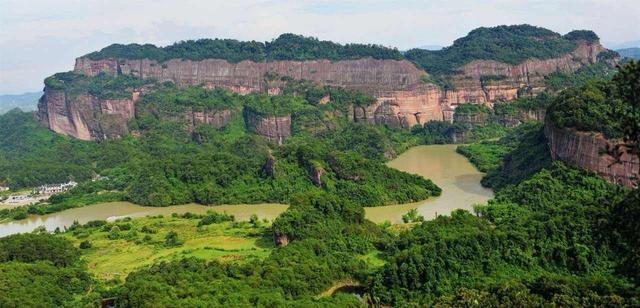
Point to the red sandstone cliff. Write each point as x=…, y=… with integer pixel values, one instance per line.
x=469, y=86
x=587, y=150
x=402, y=99
x=84, y=116
x=275, y=129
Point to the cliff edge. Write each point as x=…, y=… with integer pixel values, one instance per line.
x=589, y=150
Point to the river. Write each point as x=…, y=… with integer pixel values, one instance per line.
x=459, y=180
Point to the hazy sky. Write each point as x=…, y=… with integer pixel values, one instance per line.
x=41, y=37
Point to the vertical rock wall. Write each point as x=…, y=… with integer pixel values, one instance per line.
x=84, y=116
x=402, y=98
x=588, y=150
x=274, y=128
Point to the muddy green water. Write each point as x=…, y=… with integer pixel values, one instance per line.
x=114, y=210
x=459, y=180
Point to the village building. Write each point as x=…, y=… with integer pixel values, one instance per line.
x=50, y=189
x=2, y=188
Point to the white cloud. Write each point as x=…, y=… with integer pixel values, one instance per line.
x=40, y=37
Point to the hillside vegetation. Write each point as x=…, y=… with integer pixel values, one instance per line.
x=608, y=107
x=173, y=162
x=509, y=44
x=286, y=47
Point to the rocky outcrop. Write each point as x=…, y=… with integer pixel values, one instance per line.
x=215, y=118
x=513, y=120
x=472, y=84
x=316, y=176
x=84, y=116
x=274, y=128
x=402, y=98
x=269, y=165
x=589, y=150
x=281, y=240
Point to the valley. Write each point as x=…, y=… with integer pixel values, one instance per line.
x=499, y=171
x=459, y=180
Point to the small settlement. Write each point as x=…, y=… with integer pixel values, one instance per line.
x=38, y=193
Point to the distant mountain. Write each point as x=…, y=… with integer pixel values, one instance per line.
x=430, y=47
x=633, y=53
x=630, y=44
x=25, y=101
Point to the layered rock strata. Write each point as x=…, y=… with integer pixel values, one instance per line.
x=84, y=116
x=274, y=128
x=591, y=151
x=402, y=98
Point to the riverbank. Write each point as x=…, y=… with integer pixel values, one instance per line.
x=115, y=210
x=458, y=178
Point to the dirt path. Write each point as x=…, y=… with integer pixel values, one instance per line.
x=346, y=283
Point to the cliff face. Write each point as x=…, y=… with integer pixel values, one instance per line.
x=588, y=151
x=470, y=86
x=275, y=129
x=402, y=99
x=368, y=75
x=84, y=116
x=217, y=119
x=513, y=120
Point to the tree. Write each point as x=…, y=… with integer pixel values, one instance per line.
x=627, y=87
x=85, y=245
x=172, y=239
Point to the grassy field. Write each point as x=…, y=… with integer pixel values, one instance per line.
x=120, y=247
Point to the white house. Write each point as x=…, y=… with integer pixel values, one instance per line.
x=49, y=189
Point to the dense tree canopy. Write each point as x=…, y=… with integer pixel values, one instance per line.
x=286, y=47
x=509, y=44
x=41, y=270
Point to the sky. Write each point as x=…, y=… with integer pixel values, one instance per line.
x=41, y=37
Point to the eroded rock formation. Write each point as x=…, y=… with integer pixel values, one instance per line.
x=281, y=240
x=513, y=120
x=589, y=151
x=316, y=175
x=402, y=98
x=274, y=128
x=215, y=118
x=84, y=116
x=472, y=84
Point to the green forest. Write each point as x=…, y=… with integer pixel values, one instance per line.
x=509, y=44
x=553, y=235
x=174, y=162
x=287, y=46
